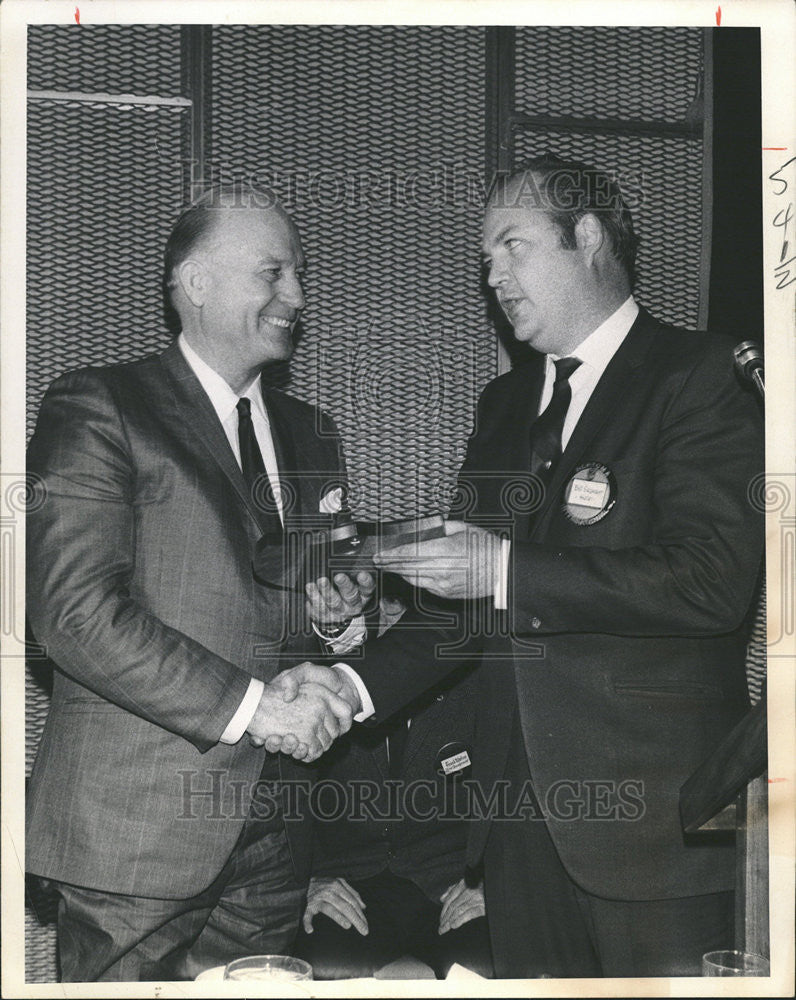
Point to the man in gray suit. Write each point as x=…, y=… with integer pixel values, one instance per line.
x=153, y=808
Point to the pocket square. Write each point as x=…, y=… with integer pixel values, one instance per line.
x=331, y=502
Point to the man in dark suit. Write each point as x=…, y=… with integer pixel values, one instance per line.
x=158, y=479
x=607, y=566
x=388, y=876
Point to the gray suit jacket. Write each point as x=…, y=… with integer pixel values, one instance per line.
x=140, y=585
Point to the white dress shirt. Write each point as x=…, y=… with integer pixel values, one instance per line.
x=595, y=353
x=225, y=403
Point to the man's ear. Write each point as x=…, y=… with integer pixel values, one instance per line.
x=191, y=277
x=590, y=236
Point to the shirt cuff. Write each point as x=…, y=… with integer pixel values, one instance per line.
x=365, y=700
x=353, y=636
x=502, y=581
x=239, y=722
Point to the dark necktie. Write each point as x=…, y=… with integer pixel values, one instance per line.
x=253, y=467
x=547, y=428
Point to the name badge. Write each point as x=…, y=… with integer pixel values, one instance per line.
x=590, y=493
x=452, y=758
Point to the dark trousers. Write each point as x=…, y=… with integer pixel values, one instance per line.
x=543, y=924
x=402, y=920
x=252, y=907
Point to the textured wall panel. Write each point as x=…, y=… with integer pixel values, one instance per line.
x=662, y=180
x=105, y=58
x=629, y=73
x=104, y=185
x=374, y=136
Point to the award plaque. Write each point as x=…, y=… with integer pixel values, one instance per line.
x=291, y=560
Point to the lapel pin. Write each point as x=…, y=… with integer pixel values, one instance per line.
x=589, y=494
x=452, y=758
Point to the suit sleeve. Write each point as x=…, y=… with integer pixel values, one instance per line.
x=434, y=639
x=80, y=559
x=697, y=574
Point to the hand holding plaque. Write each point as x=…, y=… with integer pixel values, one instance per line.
x=335, y=602
x=462, y=564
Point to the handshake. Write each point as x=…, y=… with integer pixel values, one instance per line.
x=303, y=710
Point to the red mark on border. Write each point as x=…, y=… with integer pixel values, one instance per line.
x=776, y=781
x=777, y=149
x=77, y=15
x=718, y=17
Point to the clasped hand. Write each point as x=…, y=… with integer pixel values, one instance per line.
x=303, y=710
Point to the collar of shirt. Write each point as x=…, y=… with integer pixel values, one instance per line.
x=599, y=347
x=225, y=401
x=222, y=397
x=595, y=352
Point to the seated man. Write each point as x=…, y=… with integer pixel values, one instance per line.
x=388, y=876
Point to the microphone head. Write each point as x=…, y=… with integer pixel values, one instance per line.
x=748, y=357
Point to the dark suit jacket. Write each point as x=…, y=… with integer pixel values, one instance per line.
x=140, y=585
x=413, y=821
x=627, y=636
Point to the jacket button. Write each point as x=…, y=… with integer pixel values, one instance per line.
x=536, y=623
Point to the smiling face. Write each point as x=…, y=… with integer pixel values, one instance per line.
x=247, y=276
x=541, y=285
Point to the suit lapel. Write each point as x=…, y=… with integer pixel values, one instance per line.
x=527, y=412
x=522, y=457
x=521, y=441
x=420, y=733
x=603, y=402
x=286, y=457
x=202, y=423
x=379, y=754
x=498, y=470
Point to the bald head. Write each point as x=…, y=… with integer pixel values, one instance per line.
x=197, y=224
x=234, y=274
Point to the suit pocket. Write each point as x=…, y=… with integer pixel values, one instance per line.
x=692, y=690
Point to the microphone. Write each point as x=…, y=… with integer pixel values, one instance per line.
x=749, y=364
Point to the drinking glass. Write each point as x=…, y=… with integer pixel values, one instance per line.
x=276, y=968
x=734, y=963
